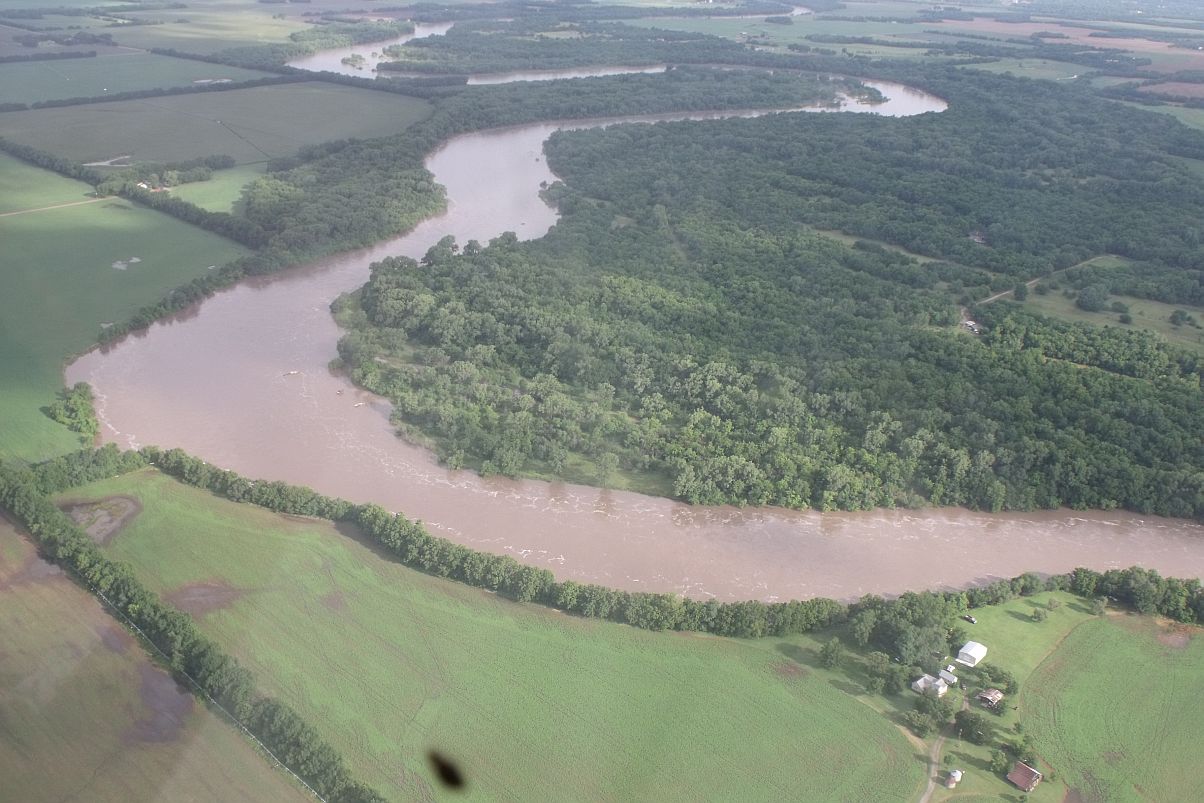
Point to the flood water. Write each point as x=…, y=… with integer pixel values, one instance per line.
x=332, y=60
x=242, y=380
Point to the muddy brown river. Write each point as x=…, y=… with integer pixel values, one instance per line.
x=242, y=380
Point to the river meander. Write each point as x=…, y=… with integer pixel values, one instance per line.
x=242, y=380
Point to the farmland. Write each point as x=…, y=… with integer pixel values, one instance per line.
x=388, y=663
x=1117, y=706
x=41, y=325
x=251, y=125
x=82, y=708
x=32, y=81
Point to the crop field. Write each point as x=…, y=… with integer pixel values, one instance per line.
x=389, y=663
x=1117, y=710
x=116, y=257
x=209, y=27
x=25, y=188
x=220, y=193
x=27, y=82
x=80, y=694
x=250, y=125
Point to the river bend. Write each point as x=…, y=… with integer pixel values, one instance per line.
x=242, y=381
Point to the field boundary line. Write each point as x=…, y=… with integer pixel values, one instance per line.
x=54, y=206
x=198, y=690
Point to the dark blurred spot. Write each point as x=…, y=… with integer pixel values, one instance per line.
x=446, y=770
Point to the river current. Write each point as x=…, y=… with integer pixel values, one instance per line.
x=242, y=381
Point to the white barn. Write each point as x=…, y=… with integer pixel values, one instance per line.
x=971, y=654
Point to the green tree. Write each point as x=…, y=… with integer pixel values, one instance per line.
x=831, y=653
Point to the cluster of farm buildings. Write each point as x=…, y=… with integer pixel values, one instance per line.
x=1022, y=775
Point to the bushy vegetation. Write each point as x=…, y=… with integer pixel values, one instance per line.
x=73, y=409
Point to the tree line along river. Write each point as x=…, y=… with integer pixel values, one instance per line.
x=242, y=381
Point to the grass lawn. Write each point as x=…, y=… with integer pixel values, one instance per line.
x=534, y=705
x=27, y=82
x=220, y=193
x=25, y=187
x=1117, y=710
x=40, y=324
x=251, y=125
x=84, y=714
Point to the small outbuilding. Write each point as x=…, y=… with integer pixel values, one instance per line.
x=991, y=698
x=971, y=653
x=953, y=779
x=927, y=684
x=1024, y=776
x=948, y=676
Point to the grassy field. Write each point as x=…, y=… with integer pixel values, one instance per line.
x=1033, y=68
x=76, y=247
x=1190, y=117
x=25, y=187
x=1117, y=710
x=249, y=124
x=32, y=81
x=220, y=193
x=208, y=27
x=390, y=663
x=1151, y=315
x=85, y=715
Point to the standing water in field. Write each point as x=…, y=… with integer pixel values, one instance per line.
x=242, y=380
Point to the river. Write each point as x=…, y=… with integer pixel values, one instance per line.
x=242, y=380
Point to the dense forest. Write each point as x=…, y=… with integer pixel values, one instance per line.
x=686, y=327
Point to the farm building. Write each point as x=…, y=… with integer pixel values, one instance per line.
x=954, y=778
x=991, y=698
x=1024, y=776
x=971, y=653
x=947, y=675
x=927, y=684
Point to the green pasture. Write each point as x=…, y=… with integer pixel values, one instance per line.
x=1117, y=710
x=24, y=188
x=220, y=193
x=1146, y=314
x=27, y=82
x=389, y=663
x=85, y=715
x=58, y=285
x=206, y=28
x=1033, y=68
x=251, y=125
x=1185, y=115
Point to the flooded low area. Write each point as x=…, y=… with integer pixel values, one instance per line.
x=366, y=56
x=556, y=75
x=242, y=381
